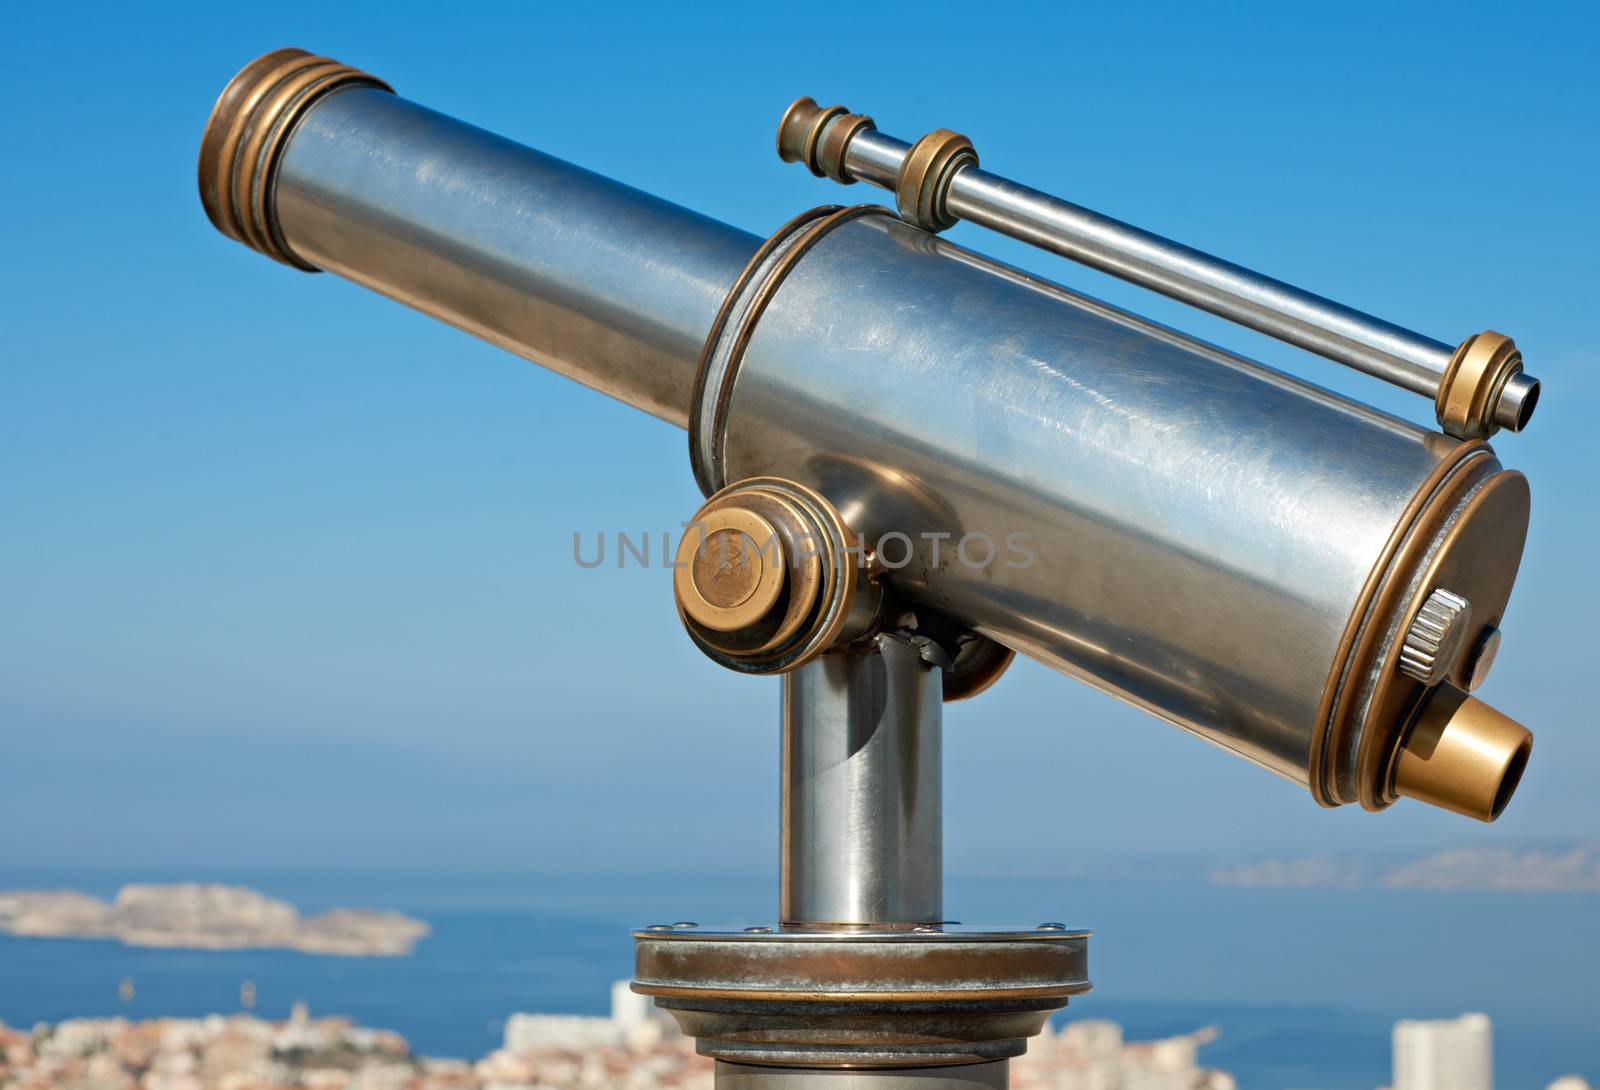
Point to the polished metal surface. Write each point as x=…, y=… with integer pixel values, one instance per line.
x=987, y=1076
x=946, y=934
x=1329, y=329
x=1180, y=527
x=1406, y=359
x=876, y=157
x=600, y=282
x=862, y=833
x=1514, y=407
x=723, y=338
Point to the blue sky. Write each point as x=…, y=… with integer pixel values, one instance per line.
x=286, y=568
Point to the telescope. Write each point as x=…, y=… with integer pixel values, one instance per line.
x=919, y=462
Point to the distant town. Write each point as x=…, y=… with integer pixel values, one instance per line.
x=636, y=1047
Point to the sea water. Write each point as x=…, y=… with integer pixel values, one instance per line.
x=1304, y=984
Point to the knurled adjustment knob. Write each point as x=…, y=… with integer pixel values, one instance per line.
x=1435, y=636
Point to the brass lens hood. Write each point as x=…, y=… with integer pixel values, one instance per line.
x=246, y=133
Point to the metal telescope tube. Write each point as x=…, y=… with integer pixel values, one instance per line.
x=322, y=167
x=1290, y=575
x=1332, y=330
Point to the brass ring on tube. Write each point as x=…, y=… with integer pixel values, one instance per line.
x=245, y=136
x=708, y=412
x=1469, y=389
x=919, y=191
x=835, y=141
x=697, y=461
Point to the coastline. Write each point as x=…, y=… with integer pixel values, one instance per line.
x=195, y=916
x=1167, y=957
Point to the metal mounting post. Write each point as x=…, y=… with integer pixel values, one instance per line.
x=862, y=839
x=862, y=985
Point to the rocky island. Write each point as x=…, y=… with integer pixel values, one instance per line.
x=206, y=917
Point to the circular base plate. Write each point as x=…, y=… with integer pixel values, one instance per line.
x=867, y=998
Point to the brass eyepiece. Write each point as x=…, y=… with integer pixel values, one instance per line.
x=1462, y=755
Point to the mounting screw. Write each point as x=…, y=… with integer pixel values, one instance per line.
x=659, y=927
x=1434, y=637
x=1051, y=926
x=758, y=930
x=683, y=925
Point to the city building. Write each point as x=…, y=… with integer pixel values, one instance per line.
x=1445, y=1054
x=634, y=1022
x=1091, y=1054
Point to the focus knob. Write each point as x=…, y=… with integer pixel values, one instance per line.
x=731, y=568
x=768, y=577
x=1435, y=637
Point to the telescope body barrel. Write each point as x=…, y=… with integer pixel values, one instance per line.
x=1235, y=551
x=593, y=279
x=1187, y=530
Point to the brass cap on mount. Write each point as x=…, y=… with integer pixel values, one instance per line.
x=768, y=576
x=246, y=133
x=1462, y=755
x=731, y=569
